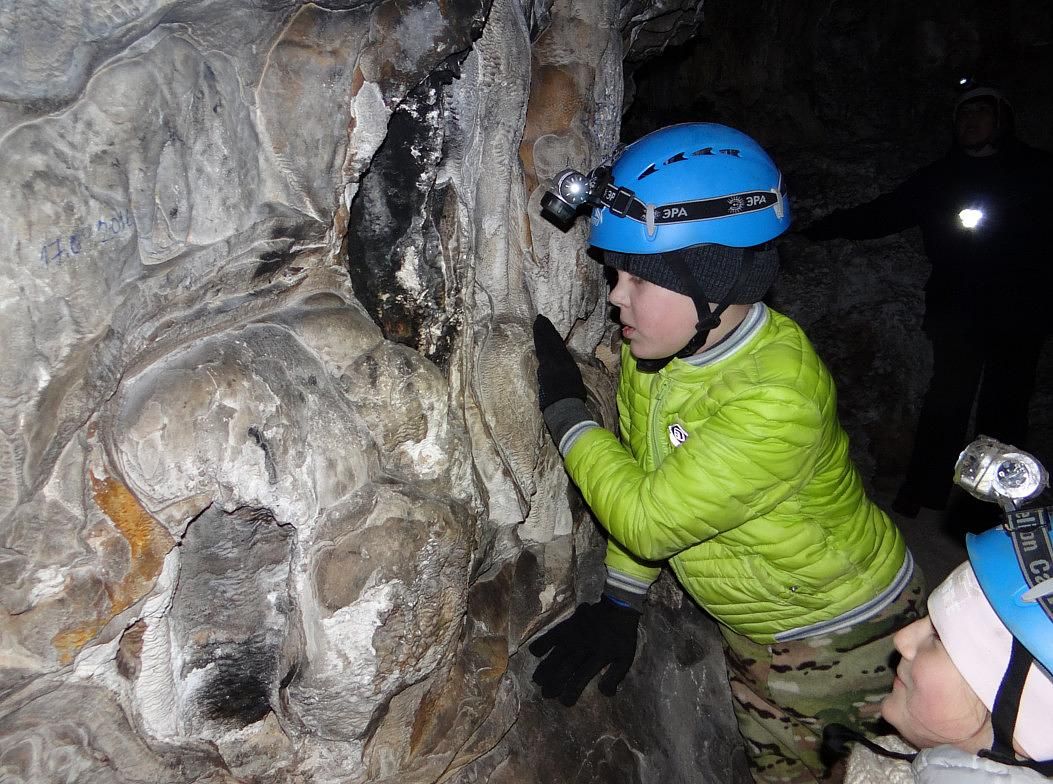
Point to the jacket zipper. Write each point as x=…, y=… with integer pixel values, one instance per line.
x=657, y=454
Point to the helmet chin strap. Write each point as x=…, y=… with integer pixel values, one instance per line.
x=702, y=328
x=708, y=317
x=1005, y=710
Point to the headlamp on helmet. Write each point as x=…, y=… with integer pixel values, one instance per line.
x=571, y=191
x=685, y=202
x=680, y=186
x=1007, y=658
x=993, y=471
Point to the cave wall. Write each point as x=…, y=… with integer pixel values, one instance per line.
x=276, y=503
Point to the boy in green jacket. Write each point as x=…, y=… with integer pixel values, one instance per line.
x=731, y=467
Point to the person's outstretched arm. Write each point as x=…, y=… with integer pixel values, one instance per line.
x=888, y=214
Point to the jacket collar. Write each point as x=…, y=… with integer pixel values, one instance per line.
x=756, y=318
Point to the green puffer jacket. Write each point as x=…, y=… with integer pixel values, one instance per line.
x=759, y=511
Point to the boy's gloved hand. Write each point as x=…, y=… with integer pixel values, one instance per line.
x=595, y=636
x=558, y=376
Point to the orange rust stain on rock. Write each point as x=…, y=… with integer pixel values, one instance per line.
x=148, y=544
x=340, y=220
x=554, y=106
x=449, y=708
x=68, y=642
x=148, y=540
x=357, y=80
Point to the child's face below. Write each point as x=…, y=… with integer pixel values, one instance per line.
x=931, y=703
x=658, y=322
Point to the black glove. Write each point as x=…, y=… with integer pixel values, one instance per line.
x=558, y=376
x=595, y=636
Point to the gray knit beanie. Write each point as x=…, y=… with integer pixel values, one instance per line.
x=715, y=269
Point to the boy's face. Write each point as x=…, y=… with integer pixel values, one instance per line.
x=931, y=703
x=655, y=321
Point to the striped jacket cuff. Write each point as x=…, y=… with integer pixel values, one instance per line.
x=625, y=589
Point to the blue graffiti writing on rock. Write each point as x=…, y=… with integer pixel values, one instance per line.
x=86, y=238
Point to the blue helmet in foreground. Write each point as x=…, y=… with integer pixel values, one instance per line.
x=994, y=613
x=687, y=185
x=1023, y=608
x=995, y=625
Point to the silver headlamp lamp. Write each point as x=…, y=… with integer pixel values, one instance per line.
x=993, y=471
x=571, y=190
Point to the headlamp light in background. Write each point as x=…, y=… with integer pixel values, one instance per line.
x=971, y=217
x=993, y=471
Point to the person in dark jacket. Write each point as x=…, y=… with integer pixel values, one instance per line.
x=983, y=215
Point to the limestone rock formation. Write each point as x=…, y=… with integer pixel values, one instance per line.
x=276, y=503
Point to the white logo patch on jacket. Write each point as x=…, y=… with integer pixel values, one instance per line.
x=677, y=434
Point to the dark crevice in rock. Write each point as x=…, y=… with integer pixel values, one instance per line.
x=238, y=687
x=271, y=263
x=398, y=275
x=230, y=614
x=268, y=458
x=129, y=663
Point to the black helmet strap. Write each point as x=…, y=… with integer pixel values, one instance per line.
x=1005, y=709
x=708, y=317
x=1007, y=703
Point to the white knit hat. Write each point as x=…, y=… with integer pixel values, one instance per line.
x=979, y=644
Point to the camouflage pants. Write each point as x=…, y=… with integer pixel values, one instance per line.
x=785, y=693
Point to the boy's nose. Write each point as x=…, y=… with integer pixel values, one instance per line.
x=617, y=295
x=907, y=639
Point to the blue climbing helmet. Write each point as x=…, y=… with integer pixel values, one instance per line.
x=694, y=208
x=691, y=184
x=1025, y=609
